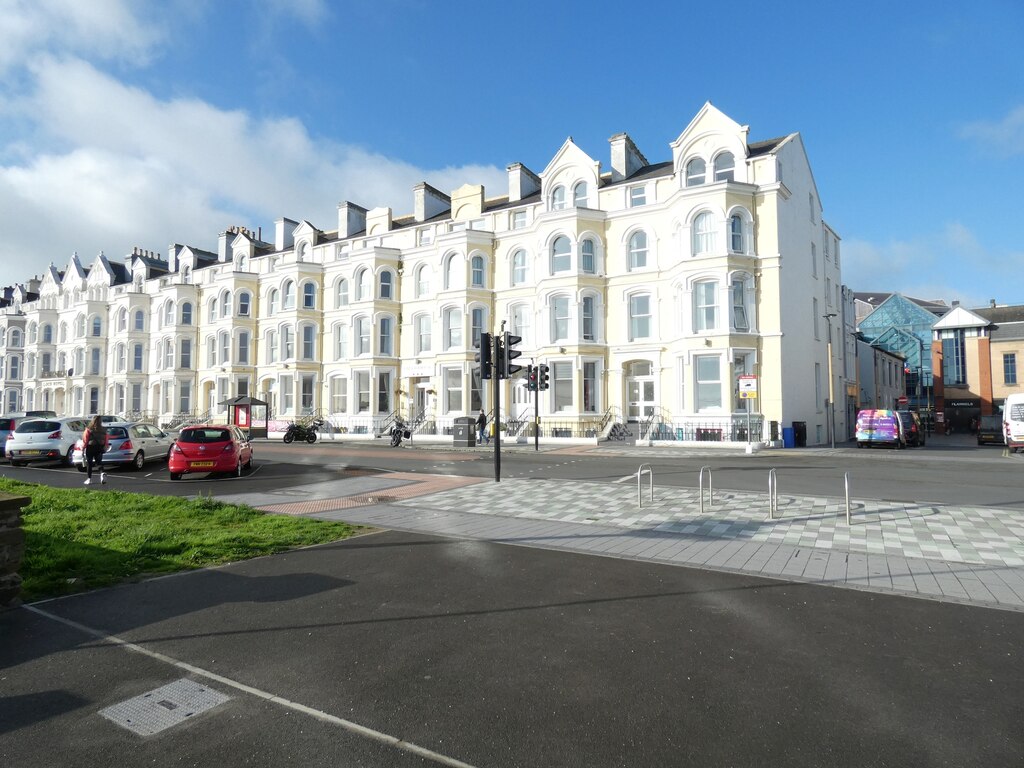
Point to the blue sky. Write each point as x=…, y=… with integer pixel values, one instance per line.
x=136, y=123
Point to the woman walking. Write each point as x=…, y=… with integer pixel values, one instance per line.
x=94, y=442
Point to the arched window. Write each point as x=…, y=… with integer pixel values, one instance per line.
x=272, y=348
x=422, y=326
x=637, y=251
x=272, y=301
x=560, y=255
x=241, y=263
x=33, y=332
x=303, y=252
x=288, y=294
x=422, y=281
x=703, y=234
x=309, y=295
x=705, y=306
x=559, y=306
x=363, y=285
x=120, y=358
x=519, y=273
x=341, y=298
x=80, y=326
x=580, y=195
x=476, y=271
x=211, y=310
x=558, y=198
x=244, y=303
x=452, y=328
x=122, y=321
x=287, y=342
x=587, y=258
x=451, y=275
x=15, y=337
x=736, y=234
x=186, y=274
x=137, y=357
x=97, y=326
x=64, y=329
x=340, y=342
x=47, y=334
x=725, y=165
x=588, y=318
x=363, y=336
x=385, y=336
x=243, y=347
x=225, y=304
x=309, y=342
x=386, y=284
x=696, y=170
x=741, y=292
x=140, y=319
x=476, y=325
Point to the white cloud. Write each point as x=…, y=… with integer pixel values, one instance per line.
x=132, y=169
x=309, y=12
x=101, y=29
x=950, y=265
x=1003, y=137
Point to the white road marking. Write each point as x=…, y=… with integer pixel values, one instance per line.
x=348, y=725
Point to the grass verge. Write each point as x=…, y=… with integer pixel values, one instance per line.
x=77, y=541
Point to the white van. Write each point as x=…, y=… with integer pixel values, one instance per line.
x=1013, y=421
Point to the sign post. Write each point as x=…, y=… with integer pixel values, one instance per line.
x=748, y=391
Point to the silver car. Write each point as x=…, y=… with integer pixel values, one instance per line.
x=45, y=440
x=129, y=443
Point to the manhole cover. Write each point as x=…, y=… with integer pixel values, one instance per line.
x=166, y=706
x=374, y=498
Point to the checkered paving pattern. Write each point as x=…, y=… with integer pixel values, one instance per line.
x=954, y=534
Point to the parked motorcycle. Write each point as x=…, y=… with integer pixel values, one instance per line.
x=302, y=431
x=398, y=432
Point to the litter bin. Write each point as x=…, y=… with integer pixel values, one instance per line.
x=788, y=437
x=464, y=432
x=800, y=433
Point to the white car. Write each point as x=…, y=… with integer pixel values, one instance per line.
x=44, y=440
x=129, y=444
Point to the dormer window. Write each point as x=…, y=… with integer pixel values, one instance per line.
x=580, y=195
x=637, y=196
x=558, y=198
x=725, y=165
x=696, y=170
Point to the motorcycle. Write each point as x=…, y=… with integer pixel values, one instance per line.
x=302, y=431
x=398, y=431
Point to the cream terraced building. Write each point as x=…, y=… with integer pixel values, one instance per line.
x=648, y=289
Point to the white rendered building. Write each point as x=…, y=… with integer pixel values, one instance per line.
x=648, y=289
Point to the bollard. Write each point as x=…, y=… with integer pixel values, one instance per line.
x=700, y=489
x=846, y=482
x=773, y=494
x=639, y=473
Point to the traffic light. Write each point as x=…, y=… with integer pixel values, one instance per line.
x=506, y=369
x=484, y=355
x=542, y=377
x=531, y=378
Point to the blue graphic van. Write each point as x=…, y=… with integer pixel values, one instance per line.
x=879, y=428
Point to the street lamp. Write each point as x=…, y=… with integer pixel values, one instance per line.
x=831, y=395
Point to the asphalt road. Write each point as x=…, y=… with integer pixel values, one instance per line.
x=497, y=655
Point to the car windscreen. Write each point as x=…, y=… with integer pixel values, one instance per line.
x=38, y=426
x=204, y=436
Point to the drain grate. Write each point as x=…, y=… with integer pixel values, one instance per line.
x=163, y=707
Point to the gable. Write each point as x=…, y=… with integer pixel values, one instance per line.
x=897, y=312
x=958, y=317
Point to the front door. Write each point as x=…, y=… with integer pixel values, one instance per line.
x=639, y=398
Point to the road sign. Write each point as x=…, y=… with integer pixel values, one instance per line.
x=748, y=387
x=902, y=400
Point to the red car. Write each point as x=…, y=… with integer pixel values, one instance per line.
x=209, y=448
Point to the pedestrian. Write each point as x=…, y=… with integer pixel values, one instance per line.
x=94, y=443
x=481, y=426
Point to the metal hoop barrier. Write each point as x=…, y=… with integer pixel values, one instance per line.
x=846, y=482
x=700, y=489
x=773, y=494
x=644, y=469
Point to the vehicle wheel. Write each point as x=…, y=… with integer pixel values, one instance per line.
x=288, y=437
x=175, y=475
x=69, y=460
x=18, y=463
x=311, y=437
x=139, y=461
x=81, y=467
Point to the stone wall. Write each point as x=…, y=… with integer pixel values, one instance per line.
x=12, y=548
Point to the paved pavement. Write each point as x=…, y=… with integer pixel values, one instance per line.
x=955, y=553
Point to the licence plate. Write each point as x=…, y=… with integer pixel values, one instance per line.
x=31, y=453
x=202, y=464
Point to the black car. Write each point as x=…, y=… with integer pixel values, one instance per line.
x=990, y=430
x=913, y=428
